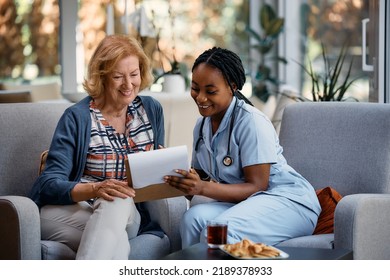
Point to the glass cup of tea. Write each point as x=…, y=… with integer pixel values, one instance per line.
x=216, y=233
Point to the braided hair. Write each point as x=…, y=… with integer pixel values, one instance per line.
x=230, y=66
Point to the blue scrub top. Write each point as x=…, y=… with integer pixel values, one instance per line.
x=253, y=140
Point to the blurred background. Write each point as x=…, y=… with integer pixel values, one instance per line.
x=52, y=40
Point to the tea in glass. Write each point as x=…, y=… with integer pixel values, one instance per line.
x=216, y=233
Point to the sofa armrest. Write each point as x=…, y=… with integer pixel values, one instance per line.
x=168, y=213
x=362, y=224
x=20, y=232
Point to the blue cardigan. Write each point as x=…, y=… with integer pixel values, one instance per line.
x=68, y=151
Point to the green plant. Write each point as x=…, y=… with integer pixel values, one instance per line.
x=271, y=26
x=329, y=85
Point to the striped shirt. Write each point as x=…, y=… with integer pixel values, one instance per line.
x=108, y=149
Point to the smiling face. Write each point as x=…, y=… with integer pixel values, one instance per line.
x=123, y=83
x=210, y=91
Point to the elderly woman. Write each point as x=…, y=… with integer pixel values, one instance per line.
x=84, y=199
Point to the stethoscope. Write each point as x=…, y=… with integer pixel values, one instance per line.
x=227, y=160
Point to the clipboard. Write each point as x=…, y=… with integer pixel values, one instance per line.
x=159, y=190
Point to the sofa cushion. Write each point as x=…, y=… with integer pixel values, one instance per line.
x=325, y=241
x=149, y=247
x=328, y=198
x=53, y=250
x=144, y=246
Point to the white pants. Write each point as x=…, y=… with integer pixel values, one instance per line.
x=262, y=218
x=100, y=231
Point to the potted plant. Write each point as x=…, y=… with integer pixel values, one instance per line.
x=175, y=79
x=329, y=85
x=326, y=85
x=272, y=26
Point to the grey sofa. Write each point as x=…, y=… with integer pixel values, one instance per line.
x=26, y=131
x=345, y=145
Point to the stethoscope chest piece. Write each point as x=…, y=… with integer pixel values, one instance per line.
x=227, y=161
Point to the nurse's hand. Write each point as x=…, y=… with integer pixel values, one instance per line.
x=189, y=182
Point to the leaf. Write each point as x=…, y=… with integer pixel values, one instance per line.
x=282, y=59
x=261, y=91
x=271, y=26
x=336, y=73
x=277, y=58
x=263, y=72
x=267, y=14
x=254, y=34
x=263, y=47
x=275, y=27
x=328, y=87
x=344, y=87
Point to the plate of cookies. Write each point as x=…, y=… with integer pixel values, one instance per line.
x=249, y=250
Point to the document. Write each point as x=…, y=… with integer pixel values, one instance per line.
x=149, y=168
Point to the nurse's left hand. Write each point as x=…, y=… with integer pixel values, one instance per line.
x=189, y=182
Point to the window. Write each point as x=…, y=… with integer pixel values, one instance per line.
x=178, y=31
x=329, y=26
x=29, y=40
x=169, y=30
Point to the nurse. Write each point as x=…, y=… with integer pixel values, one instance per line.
x=238, y=162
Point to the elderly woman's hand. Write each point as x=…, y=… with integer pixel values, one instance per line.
x=111, y=188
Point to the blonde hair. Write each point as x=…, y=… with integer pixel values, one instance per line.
x=107, y=54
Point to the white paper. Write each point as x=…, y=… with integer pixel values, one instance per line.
x=150, y=167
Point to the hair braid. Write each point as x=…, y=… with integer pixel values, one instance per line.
x=230, y=66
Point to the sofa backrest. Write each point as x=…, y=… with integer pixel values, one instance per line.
x=345, y=145
x=26, y=131
x=180, y=115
